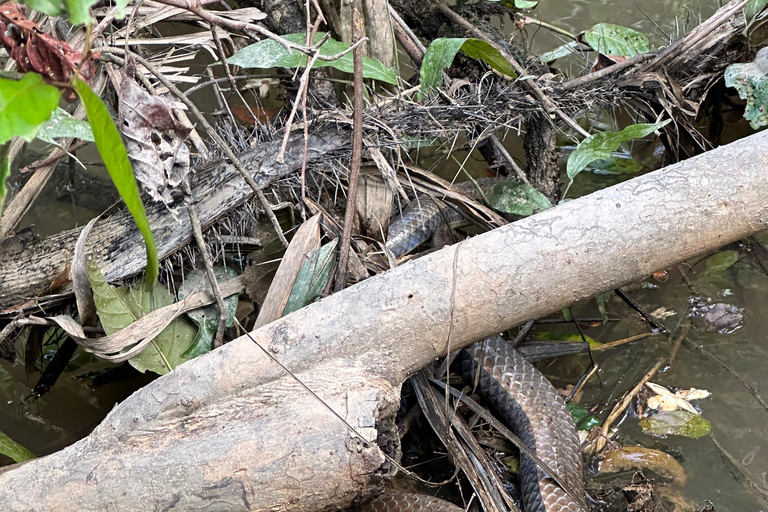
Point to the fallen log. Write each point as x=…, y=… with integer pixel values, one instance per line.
x=27, y=268
x=231, y=431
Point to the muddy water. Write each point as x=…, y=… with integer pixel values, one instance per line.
x=729, y=467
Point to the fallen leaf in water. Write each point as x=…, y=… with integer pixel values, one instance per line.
x=679, y=423
x=665, y=400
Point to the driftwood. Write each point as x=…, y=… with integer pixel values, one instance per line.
x=231, y=431
x=27, y=269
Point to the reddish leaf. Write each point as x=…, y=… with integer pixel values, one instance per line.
x=34, y=50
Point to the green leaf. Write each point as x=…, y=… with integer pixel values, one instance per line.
x=561, y=51
x=753, y=8
x=119, y=307
x=439, y=55
x=583, y=417
x=312, y=277
x=680, y=423
x=518, y=199
x=479, y=49
x=721, y=262
x=442, y=51
x=271, y=54
x=5, y=171
x=610, y=39
x=565, y=337
x=751, y=82
x=207, y=318
x=24, y=106
x=62, y=124
x=14, y=450
x=77, y=10
x=615, y=165
x=112, y=151
x=601, y=145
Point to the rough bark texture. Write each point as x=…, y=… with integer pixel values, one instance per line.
x=229, y=431
x=28, y=267
x=542, y=154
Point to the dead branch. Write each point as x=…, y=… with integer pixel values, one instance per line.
x=229, y=431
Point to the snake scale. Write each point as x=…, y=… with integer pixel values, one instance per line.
x=529, y=404
x=520, y=394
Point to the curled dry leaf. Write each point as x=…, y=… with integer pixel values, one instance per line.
x=34, y=50
x=130, y=341
x=665, y=400
x=154, y=140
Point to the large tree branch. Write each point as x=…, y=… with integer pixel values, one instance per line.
x=230, y=431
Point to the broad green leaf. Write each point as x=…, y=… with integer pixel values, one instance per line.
x=207, y=318
x=561, y=51
x=270, y=54
x=751, y=82
x=565, y=337
x=479, y=49
x=112, y=151
x=439, y=55
x=118, y=307
x=517, y=199
x=442, y=51
x=583, y=417
x=614, y=165
x=601, y=145
x=77, y=10
x=610, y=39
x=62, y=124
x=14, y=450
x=721, y=262
x=680, y=423
x=753, y=8
x=24, y=106
x=5, y=171
x=312, y=277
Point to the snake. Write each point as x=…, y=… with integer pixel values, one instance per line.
x=531, y=406
x=524, y=399
x=419, y=221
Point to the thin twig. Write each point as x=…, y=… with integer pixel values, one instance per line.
x=511, y=161
x=197, y=232
x=357, y=151
x=56, y=155
x=304, y=84
x=619, y=408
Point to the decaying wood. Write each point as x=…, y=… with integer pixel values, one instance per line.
x=26, y=269
x=230, y=431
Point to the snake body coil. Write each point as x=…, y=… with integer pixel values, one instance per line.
x=534, y=410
